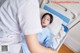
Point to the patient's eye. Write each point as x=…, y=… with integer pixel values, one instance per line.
x=48, y=19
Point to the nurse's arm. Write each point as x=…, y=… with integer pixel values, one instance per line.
x=34, y=45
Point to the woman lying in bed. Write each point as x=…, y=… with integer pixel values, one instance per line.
x=44, y=37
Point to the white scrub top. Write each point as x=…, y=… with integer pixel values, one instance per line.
x=17, y=16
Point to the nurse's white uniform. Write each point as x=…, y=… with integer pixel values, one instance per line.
x=17, y=16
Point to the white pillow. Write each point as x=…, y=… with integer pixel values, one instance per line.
x=42, y=11
x=56, y=24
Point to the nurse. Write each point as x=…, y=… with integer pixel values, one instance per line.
x=16, y=17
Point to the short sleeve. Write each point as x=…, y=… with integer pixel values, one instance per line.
x=29, y=17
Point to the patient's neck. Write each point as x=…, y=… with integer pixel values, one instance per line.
x=43, y=26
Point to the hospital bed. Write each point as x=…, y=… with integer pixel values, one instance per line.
x=62, y=18
x=58, y=30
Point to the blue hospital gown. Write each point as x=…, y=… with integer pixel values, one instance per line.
x=44, y=37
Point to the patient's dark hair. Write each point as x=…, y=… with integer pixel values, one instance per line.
x=51, y=17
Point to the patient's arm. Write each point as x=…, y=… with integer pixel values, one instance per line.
x=34, y=45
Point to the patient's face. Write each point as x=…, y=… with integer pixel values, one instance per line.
x=45, y=21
